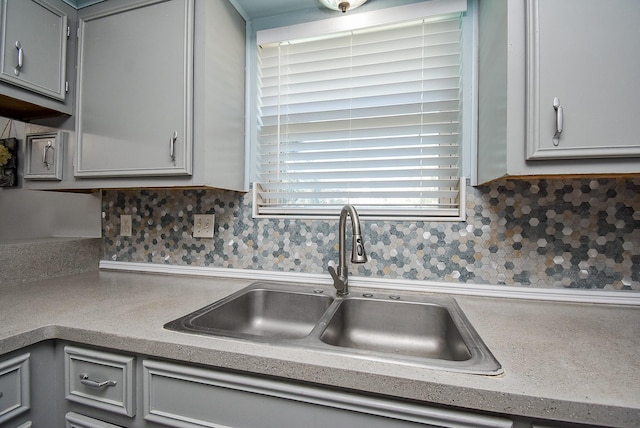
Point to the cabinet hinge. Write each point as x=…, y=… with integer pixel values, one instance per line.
x=66, y=86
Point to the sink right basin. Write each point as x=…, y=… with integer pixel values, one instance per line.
x=421, y=330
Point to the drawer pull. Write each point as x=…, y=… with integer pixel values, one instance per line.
x=84, y=379
x=49, y=146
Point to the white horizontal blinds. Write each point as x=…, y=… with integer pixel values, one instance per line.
x=370, y=117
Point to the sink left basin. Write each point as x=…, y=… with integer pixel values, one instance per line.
x=259, y=312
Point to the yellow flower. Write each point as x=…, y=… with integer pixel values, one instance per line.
x=5, y=155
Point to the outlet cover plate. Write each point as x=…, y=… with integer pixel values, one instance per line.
x=203, y=225
x=125, y=225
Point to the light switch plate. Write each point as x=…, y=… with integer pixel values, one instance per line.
x=203, y=225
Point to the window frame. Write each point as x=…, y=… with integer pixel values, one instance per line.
x=272, y=32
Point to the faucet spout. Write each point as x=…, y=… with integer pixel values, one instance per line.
x=340, y=274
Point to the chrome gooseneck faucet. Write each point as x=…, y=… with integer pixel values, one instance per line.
x=340, y=274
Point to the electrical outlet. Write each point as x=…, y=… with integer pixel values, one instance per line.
x=203, y=225
x=125, y=225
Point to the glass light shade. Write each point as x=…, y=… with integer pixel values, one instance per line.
x=342, y=5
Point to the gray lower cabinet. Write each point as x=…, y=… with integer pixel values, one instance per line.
x=101, y=392
x=27, y=385
x=184, y=396
x=35, y=35
x=55, y=384
x=15, y=382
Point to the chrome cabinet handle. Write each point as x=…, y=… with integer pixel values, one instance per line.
x=44, y=154
x=20, y=58
x=172, y=145
x=84, y=379
x=559, y=121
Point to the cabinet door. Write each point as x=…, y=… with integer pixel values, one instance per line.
x=14, y=387
x=135, y=89
x=184, y=396
x=34, y=47
x=585, y=54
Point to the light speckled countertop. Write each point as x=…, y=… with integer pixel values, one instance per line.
x=570, y=362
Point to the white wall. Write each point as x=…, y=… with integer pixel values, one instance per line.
x=29, y=214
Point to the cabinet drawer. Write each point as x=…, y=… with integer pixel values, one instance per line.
x=14, y=387
x=75, y=420
x=100, y=379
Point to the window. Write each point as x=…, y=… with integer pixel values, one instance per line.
x=370, y=116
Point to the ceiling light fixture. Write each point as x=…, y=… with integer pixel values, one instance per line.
x=342, y=5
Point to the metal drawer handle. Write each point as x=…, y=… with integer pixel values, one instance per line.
x=84, y=379
x=20, y=58
x=44, y=154
x=559, y=119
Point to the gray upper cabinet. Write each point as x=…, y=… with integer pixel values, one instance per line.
x=33, y=63
x=34, y=46
x=135, y=88
x=581, y=52
x=590, y=70
x=161, y=97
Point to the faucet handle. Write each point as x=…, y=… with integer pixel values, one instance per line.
x=339, y=281
x=333, y=273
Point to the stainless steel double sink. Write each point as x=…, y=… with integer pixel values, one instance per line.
x=402, y=328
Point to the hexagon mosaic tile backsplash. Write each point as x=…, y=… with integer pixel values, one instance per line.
x=569, y=233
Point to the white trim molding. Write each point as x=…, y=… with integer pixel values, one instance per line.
x=622, y=297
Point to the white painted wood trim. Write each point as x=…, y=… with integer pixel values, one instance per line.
x=622, y=297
